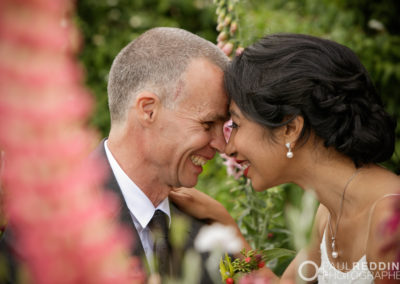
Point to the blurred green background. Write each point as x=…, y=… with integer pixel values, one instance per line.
x=370, y=28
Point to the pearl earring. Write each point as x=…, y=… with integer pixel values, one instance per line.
x=289, y=153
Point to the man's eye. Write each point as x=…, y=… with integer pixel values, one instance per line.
x=208, y=124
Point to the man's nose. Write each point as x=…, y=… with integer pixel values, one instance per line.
x=218, y=141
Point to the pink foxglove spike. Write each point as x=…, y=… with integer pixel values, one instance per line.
x=63, y=223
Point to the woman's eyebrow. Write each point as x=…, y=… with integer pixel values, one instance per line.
x=233, y=113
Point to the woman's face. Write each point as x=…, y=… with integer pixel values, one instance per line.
x=253, y=147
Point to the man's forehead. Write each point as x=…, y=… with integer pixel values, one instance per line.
x=218, y=115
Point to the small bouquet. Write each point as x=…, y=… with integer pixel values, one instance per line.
x=250, y=261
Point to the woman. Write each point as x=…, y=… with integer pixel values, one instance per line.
x=304, y=110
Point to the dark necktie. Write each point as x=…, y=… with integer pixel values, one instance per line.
x=159, y=230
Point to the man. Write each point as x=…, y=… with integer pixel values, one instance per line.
x=167, y=105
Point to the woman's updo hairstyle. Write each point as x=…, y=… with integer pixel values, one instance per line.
x=286, y=75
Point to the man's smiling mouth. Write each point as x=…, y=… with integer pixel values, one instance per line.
x=198, y=160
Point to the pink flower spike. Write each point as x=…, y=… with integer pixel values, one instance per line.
x=254, y=279
x=62, y=221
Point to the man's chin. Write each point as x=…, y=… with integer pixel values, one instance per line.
x=188, y=184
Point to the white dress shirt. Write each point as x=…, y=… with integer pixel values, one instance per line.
x=140, y=206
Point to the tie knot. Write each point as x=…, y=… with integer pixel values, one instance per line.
x=159, y=223
x=159, y=230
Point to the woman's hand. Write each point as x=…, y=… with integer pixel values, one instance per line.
x=201, y=206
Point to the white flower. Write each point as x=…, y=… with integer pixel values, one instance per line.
x=218, y=237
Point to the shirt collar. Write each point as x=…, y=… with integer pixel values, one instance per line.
x=138, y=203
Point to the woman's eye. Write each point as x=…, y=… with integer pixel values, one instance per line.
x=233, y=125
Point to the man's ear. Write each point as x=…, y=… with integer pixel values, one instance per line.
x=147, y=106
x=293, y=129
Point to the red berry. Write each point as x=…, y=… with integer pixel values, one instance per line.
x=270, y=235
x=229, y=281
x=247, y=259
x=261, y=264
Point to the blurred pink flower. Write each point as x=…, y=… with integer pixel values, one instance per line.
x=254, y=279
x=233, y=168
x=394, y=221
x=63, y=222
x=391, y=231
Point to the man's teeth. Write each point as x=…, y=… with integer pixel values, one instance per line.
x=198, y=161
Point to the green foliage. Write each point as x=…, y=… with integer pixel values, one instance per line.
x=260, y=215
x=227, y=26
x=301, y=219
x=215, y=182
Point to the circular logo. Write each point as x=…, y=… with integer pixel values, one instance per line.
x=300, y=270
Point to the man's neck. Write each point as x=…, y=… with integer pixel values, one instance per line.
x=132, y=162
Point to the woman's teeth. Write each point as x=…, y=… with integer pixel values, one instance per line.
x=245, y=165
x=198, y=161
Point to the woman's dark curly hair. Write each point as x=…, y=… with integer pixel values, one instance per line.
x=286, y=75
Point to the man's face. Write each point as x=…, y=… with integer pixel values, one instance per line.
x=190, y=134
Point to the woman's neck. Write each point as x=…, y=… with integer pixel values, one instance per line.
x=328, y=179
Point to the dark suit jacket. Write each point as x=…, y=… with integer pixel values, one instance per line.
x=9, y=254
x=9, y=257
x=126, y=219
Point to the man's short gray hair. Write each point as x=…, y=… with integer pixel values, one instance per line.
x=155, y=62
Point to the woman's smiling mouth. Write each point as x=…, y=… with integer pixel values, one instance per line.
x=245, y=166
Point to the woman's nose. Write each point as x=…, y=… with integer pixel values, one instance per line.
x=230, y=148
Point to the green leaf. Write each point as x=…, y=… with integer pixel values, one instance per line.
x=222, y=269
x=270, y=254
x=231, y=269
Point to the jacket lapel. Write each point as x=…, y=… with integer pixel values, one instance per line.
x=125, y=218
